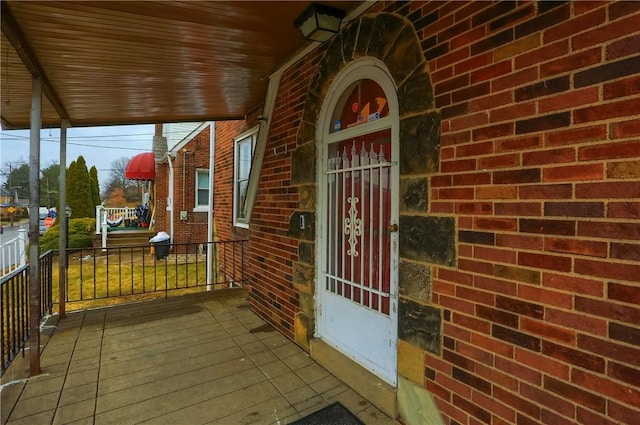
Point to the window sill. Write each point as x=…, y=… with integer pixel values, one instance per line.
x=201, y=209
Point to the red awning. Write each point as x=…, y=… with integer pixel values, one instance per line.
x=141, y=167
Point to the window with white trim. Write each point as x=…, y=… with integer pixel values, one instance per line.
x=202, y=190
x=244, y=146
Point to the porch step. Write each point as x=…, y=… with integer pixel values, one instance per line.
x=365, y=383
x=128, y=238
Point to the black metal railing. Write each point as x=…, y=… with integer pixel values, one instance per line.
x=97, y=277
x=14, y=297
x=134, y=273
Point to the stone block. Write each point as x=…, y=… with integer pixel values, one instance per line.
x=420, y=325
x=348, y=37
x=307, y=197
x=303, y=278
x=411, y=362
x=430, y=239
x=306, y=133
x=364, y=35
x=414, y=280
x=405, y=56
x=303, y=164
x=420, y=144
x=333, y=61
x=415, y=194
x=416, y=93
x=295, y=226
x=384, y=32
x=307, y=305
x=312, y=106
x=303, y=327
x=416, y=405
x=307, y=253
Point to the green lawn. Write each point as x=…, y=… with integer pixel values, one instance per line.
x=100, y=281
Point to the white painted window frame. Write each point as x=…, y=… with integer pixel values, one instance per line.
x=204, y=207
x=252, y=135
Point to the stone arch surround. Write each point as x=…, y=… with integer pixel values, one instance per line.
x=424, y=239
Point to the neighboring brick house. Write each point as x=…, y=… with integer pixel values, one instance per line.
x=185, y=152
x=189, y=154
x=489, y=177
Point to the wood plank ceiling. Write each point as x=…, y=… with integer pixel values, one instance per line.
x=130, y=62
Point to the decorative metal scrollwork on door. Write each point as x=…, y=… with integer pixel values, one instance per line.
x=353, y=226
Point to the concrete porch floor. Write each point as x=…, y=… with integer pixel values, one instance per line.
x=195, y=359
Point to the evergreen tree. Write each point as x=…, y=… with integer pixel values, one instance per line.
x=17, y=180
x=49, y=185
x=95, y=186
x=79, y=185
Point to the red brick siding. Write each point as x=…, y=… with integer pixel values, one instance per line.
x=272, y=252
x=194, y=155
x=539, y=165
x=229, y=255
x=161, y=216
x=194, y=229
x=223, y=177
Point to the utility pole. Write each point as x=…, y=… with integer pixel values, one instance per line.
x=13, y=198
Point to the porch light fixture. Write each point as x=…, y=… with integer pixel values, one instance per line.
x=319, y=22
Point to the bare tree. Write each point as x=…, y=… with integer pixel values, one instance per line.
x=118, y=180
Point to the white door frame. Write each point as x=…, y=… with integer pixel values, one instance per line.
x=376, y=70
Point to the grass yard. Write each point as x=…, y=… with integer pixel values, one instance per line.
x=135, y=276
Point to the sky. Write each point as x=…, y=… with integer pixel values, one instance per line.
x=99, y=146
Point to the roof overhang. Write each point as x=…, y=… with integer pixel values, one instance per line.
x=117, y=62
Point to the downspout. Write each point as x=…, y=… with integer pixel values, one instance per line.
x=170, y=198
x=210, y=222
x=263, y=135
x=184, y=170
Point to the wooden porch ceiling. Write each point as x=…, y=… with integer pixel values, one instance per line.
x=131, y=62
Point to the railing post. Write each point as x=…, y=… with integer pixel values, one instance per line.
x=98, y=218
x=22, y=246
x=104, y=231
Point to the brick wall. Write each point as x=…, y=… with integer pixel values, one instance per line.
x=539, y=166
x=194, y=155
x=161, y=215
x=194, y=229
x=539, y=163
x=273, y=294
x=230, y=256
x=223, y=179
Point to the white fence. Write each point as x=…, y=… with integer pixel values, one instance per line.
x=106, y=217
x=13, y=253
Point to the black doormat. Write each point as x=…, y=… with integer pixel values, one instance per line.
x=334, y=414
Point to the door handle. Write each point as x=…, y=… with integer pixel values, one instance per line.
x=392, y=228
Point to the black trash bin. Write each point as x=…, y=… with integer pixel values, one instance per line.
x=162, y=249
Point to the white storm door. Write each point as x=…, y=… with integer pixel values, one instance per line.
x=358, y=310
